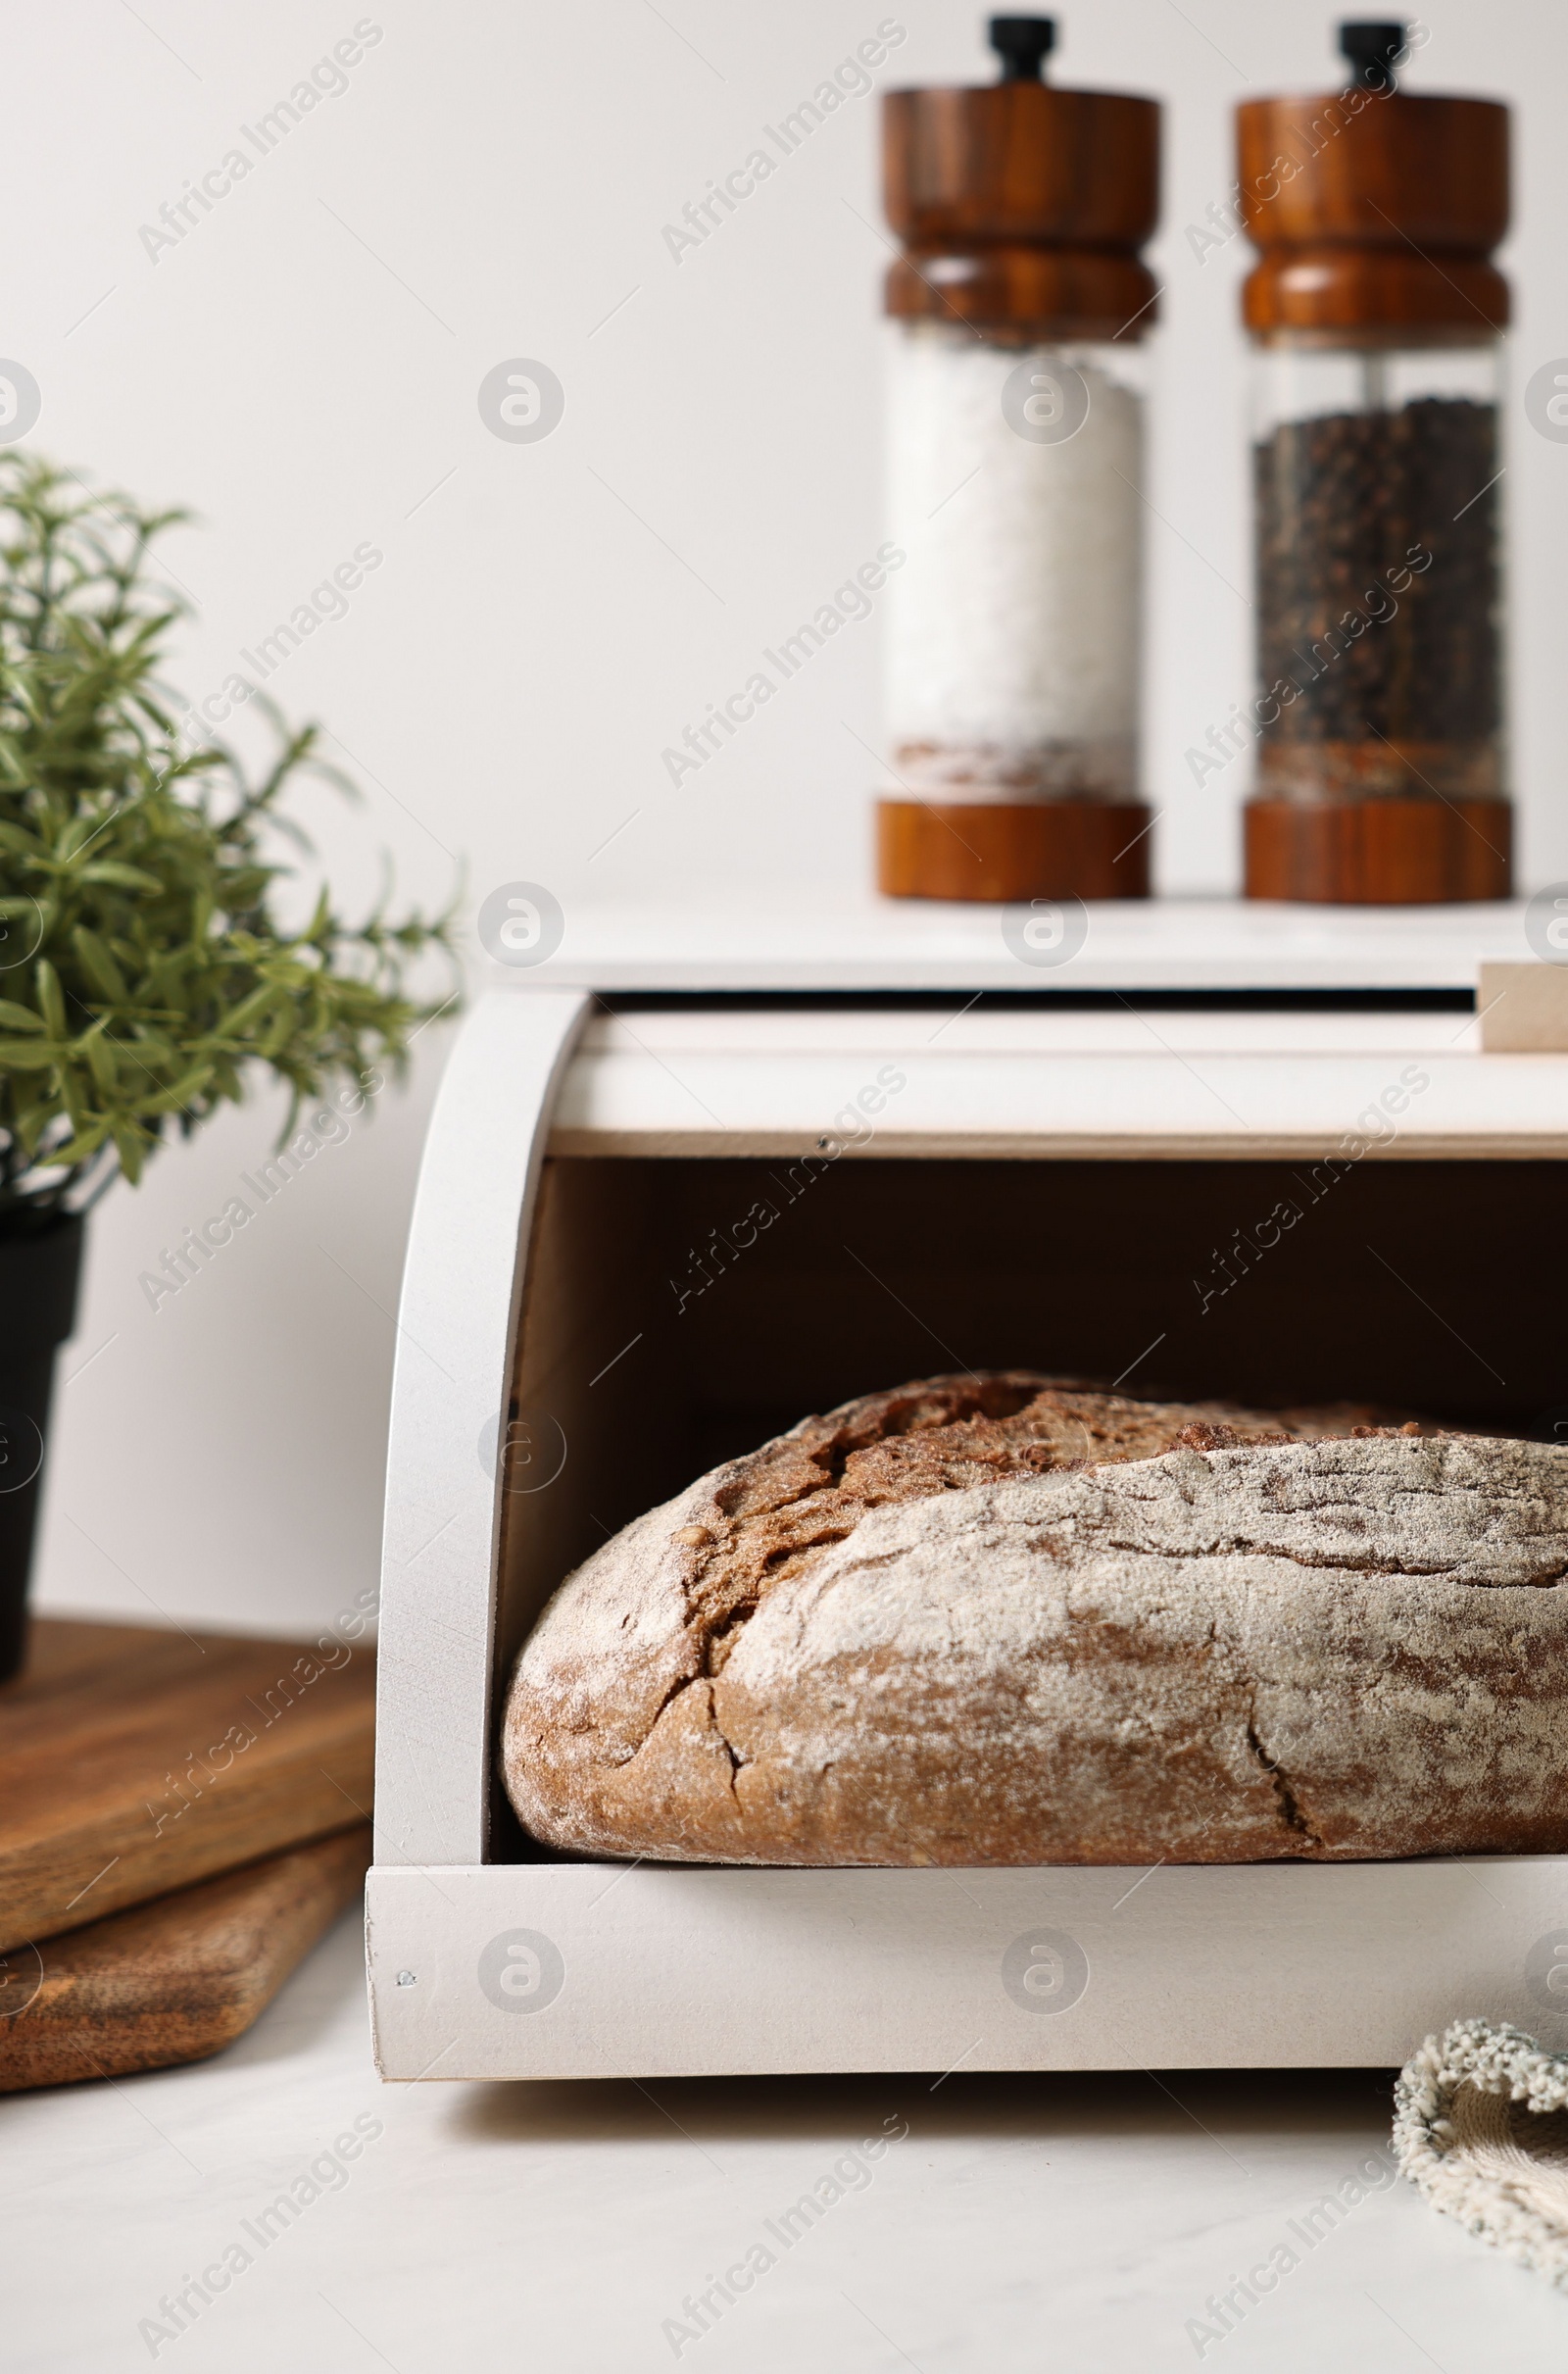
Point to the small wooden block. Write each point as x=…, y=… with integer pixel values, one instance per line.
x=134, y=1761
x=175, y=1980
x=1523, y=1009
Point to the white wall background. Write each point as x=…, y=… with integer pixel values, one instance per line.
x=302, y=370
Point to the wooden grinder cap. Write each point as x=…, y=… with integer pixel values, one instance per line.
x=1376, y=212
x=1021, y=206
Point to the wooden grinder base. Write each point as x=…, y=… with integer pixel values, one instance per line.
x=1379, y=852
x=1065, y=850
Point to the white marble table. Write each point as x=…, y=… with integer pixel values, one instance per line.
x=1035, y=2223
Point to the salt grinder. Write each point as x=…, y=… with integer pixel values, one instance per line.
x=1376, y=318
x=1021, y=307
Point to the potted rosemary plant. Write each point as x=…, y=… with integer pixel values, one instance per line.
x=145, y=977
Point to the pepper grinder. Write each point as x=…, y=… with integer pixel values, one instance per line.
x=1376, y=318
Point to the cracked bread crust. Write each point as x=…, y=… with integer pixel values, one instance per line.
x=1008, y=1621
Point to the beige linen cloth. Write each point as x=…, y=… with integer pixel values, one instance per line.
x=1480, y=2124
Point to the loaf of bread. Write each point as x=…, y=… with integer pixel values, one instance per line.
x=1000, y=1621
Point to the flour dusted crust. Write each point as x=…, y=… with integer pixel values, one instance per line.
x=1002, y=1620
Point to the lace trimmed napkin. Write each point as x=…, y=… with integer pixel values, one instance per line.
x=1480, y=2124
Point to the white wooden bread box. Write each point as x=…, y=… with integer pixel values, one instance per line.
x=972, y=1160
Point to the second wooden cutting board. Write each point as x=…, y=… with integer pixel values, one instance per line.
x=175, y=1980
x=134, y=1761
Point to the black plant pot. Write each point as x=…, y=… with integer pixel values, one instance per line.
x=38, y=1274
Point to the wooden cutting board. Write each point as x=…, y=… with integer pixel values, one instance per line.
x=171, y=1980
x=135, y=1762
